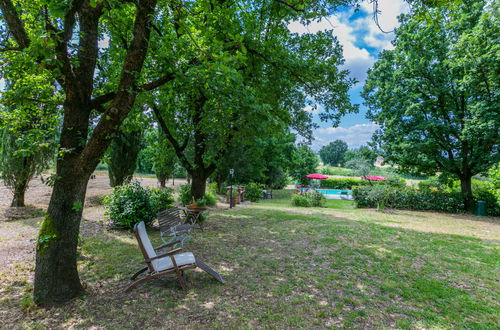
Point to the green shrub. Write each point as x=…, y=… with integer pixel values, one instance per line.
x=212, y=187
x=316, y=199
x=431, y=184
x=313, y=199
x=209, y=199
x=185, y=194
x=330, y=170
x=161, y=199
x=395, y=181
x=407, y=198
x=301, y=200
x=341, y=183
x=485, y=194
x=128, y=205
x=253, y=191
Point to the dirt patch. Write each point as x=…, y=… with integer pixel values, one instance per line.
x=17, y=213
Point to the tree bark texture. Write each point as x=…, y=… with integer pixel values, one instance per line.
x=56, y=275
x=466, y=186
x=18, y=198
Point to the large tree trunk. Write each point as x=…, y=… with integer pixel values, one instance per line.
x=199, y=184
x=56, y=274
x=466, y=185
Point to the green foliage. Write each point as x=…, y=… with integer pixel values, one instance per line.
x=209, y=199
x=317, y=199
x=310, y=199
x=265, y=159
x=360, y=166
x=300, y=200
x=161, y=198
x=334, y=183
x=165, y=160
x=363, y=152
x=130, y=204
x=333, y=153
x=253, y=191
x=185, y=196
x=431, y=184
x=122, y=156
x=494, y=176
x=407, y=198
x=395, y=181
x=305, y=162
x=435, y=96
x=330, y=170
x=483, y=193
x=28, y=121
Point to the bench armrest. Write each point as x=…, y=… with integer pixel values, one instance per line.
x=163, y=255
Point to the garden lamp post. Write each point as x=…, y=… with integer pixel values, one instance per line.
x=231, y=173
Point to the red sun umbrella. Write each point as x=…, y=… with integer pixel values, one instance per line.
x=316, y=176
x=374, y=178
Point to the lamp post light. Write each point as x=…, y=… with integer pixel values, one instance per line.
x=231, y=173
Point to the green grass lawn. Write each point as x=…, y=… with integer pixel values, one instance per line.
x=287, y=267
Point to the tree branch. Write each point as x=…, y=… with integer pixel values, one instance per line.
x=126, y=92
x=179, y=150
x=289, y=5
x=15, y=24
x=99, y=100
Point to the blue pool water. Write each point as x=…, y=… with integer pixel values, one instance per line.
x=332, y=191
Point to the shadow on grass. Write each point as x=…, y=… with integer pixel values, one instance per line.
x=290, y=270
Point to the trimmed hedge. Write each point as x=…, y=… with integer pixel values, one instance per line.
x=413, y=199
x=407, y=198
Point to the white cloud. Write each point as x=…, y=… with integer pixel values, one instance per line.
x=355, y=136
x=357, y=60
x=361, y=31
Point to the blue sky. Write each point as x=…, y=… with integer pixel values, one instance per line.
x=362, y=41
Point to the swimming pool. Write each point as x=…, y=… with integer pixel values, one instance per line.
x=333, y=191
x=336, y=194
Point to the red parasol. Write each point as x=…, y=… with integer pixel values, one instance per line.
x=374, y=178
x=316, y=176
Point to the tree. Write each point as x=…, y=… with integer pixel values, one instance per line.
x=264, y=160
x=28, y=121
x=122, y=156
x=361, y=166
x=63, y=39
x=362, y=152
x=333, y=153
x=165, y=160
x=305, y=162
x=435, y=95
x=243, y=85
